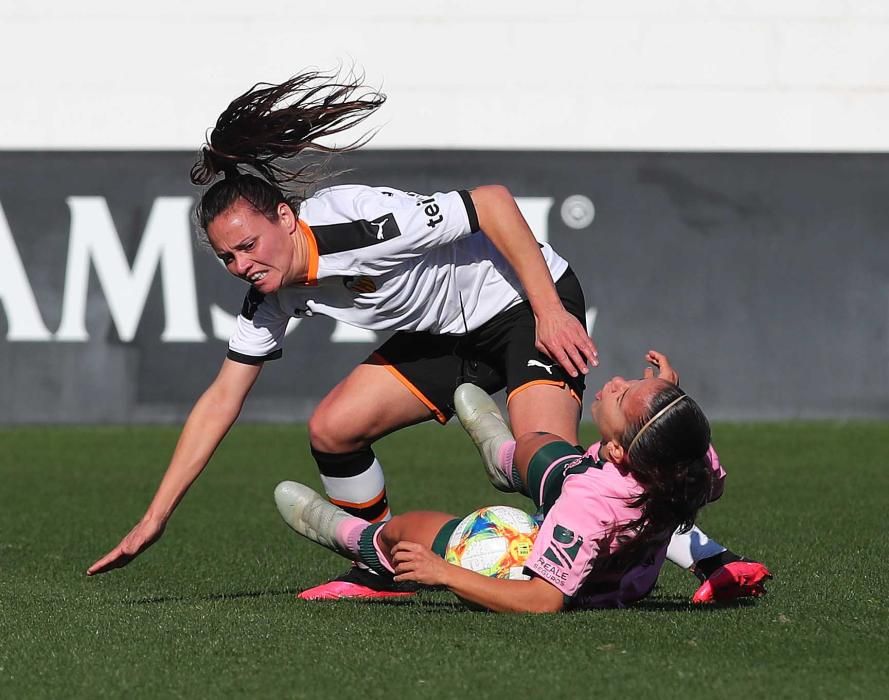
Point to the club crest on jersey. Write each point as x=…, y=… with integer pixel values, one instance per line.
x=360, y=284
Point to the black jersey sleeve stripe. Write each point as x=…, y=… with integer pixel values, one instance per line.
x=253, y=359
x=470, y=211
x=349, y=235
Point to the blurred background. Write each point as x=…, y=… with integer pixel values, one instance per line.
x=715, y=171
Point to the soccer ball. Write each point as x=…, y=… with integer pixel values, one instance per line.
x=494, y=541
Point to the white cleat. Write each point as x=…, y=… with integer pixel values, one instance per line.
x=310, y=514
x=481, y=418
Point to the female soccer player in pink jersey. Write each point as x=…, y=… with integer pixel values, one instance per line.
x=458, y=276
x=609, y=512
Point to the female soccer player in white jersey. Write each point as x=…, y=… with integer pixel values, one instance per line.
x=609, y=512
x=459, y=276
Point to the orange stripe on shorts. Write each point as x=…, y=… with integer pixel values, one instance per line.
x=544, y=382
x=382, y=361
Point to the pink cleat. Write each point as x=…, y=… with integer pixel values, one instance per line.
x=358, y=582
x=737, y=579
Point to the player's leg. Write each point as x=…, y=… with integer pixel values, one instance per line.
x=687, y=548
x=408, y=380
x=482, y=420
x=724, y=575
x=315, y=518
x=541, y=396
x=369, y=403
x=544, y=408
x=513, y=464
x=429, y=528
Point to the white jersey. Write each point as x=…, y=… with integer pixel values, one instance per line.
x=383, y=259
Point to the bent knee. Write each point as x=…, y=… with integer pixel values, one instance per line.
x=332, y=431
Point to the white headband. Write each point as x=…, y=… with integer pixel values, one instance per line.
x=653, y=419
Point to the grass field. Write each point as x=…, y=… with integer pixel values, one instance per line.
x=210, y=612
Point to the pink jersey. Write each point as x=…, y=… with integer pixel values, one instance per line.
x=579, y=527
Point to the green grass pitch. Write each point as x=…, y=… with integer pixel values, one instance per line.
x=210, y=610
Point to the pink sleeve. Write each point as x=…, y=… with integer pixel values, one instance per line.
x=566, y=546
x=718, y=474
x=715, y=464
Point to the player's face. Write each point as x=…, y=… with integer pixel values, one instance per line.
x=621, y=402
x=254, y=248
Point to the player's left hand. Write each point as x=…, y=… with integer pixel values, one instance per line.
x=561, y=336
x=414, y=562
x=661, y=363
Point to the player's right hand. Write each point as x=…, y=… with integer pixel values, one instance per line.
x=140, y=538
x=415, y=562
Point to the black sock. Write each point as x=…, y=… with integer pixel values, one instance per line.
x=704, y=568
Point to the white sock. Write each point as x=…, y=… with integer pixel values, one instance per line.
x=362, y=495
x=689, y=547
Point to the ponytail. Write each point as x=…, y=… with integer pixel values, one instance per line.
x=269, y=124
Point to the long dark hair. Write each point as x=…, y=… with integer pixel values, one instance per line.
x=269, y=124
x=668, y=457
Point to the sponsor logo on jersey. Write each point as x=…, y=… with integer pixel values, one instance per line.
x=384, y=227
x=360, y=284
x=379, y=225
x=551, y=573
x=581, y=464
x=573, y=463
x=564, y=547
x=430, y=208
x=351, y=235
x=537, y=363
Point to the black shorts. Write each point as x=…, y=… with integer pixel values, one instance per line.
x=500, y=354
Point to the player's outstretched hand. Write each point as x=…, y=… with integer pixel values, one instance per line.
x=414, y=562
x=561, y=336
x=140, y=538
x=664, y=369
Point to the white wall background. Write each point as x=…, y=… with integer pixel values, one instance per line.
x=583, y=74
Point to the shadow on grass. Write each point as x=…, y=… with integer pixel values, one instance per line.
x=679, y=604
x=424, y=604
x=649, y=605
x=161, y=599
x=417, y=601
x=658, y=605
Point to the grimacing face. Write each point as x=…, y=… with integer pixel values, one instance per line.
x=253, y=248
x=621, y=402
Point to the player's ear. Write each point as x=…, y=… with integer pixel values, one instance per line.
x=286, y=216
x=614, y=452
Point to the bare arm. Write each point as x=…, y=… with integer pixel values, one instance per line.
x=210, y=419
x=559, y=334
x=415, y=562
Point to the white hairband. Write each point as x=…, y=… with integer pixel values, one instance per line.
x=654, y=418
